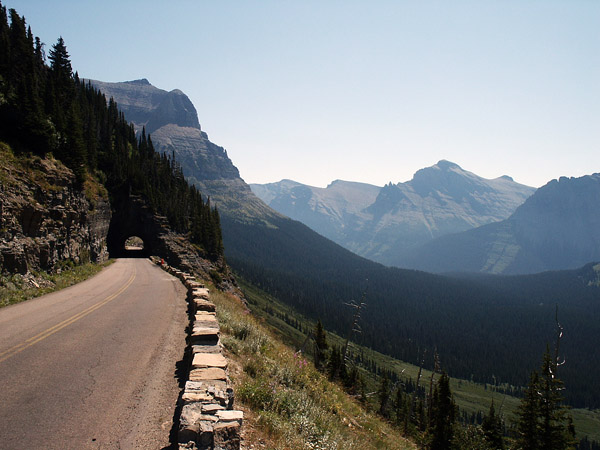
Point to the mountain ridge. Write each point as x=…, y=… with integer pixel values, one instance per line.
x=554, y=229
x=386, y=221
x=172, y=121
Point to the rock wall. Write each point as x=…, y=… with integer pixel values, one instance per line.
x=208, y=420
x=45, y=218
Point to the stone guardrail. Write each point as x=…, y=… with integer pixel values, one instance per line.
x=208, y=420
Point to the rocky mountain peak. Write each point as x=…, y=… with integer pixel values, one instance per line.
x=444, y=164
x=448, y=178
x=381, y=223
x=140, y=82
x=148, y=106
x=565, y=200
x=555, y=228
x=174, y=108
x=172, y=120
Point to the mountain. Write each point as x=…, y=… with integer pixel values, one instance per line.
x=383, y=224
x=409, y=311
x=172, y=121
x=336, y=212
x=556, y=228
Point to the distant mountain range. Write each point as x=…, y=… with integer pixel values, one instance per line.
x=384, y=224
x=336, y=212
x=556, y=228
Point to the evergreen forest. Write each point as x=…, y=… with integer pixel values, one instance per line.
x=485, y=329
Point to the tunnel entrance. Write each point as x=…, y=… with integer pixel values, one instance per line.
x=133, y=230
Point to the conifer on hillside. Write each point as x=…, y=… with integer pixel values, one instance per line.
x=492, y=429
x=320, y=346
x=441, y=427
x=543, y=420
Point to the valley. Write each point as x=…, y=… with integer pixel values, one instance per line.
x=511, y=318
x=471, y=397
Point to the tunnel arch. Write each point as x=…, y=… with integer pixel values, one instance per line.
x=117, y=247
x=132, y=217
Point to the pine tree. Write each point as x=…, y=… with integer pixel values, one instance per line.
x=383, y=394
x=555, y=434
x=74, y=151
x=399, y=406
x=528, y=425
x=444, y=415
x=543, y=422
x=335, y=361
x=492, y=429
x=62, y=89
x=320, y=346
x=60, y=61
x=4, y=47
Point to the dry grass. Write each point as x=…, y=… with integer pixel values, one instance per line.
x=288, y=403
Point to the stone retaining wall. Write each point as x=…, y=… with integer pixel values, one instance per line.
x=208, y=420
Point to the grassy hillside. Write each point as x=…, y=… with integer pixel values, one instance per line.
x=287, y=403
x=15, y=288
x=472, y=398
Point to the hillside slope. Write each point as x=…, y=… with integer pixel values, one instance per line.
x=287, y=403
x=383, y=224
x=556, y=228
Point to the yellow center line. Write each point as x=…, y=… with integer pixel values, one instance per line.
x=50, y=331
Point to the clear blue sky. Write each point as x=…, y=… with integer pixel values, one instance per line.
x=367, y=91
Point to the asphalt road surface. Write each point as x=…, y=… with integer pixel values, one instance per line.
x=94, y=366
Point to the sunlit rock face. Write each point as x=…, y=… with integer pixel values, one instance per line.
x=172, y=121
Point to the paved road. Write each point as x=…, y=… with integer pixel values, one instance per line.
x=93, y=366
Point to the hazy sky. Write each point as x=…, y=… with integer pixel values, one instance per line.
x=365, y=91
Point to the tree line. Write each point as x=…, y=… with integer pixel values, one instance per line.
x=45, y=109
x=426, y=412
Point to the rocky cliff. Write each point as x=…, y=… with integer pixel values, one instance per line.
x=45, y=218
x=172, y=121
